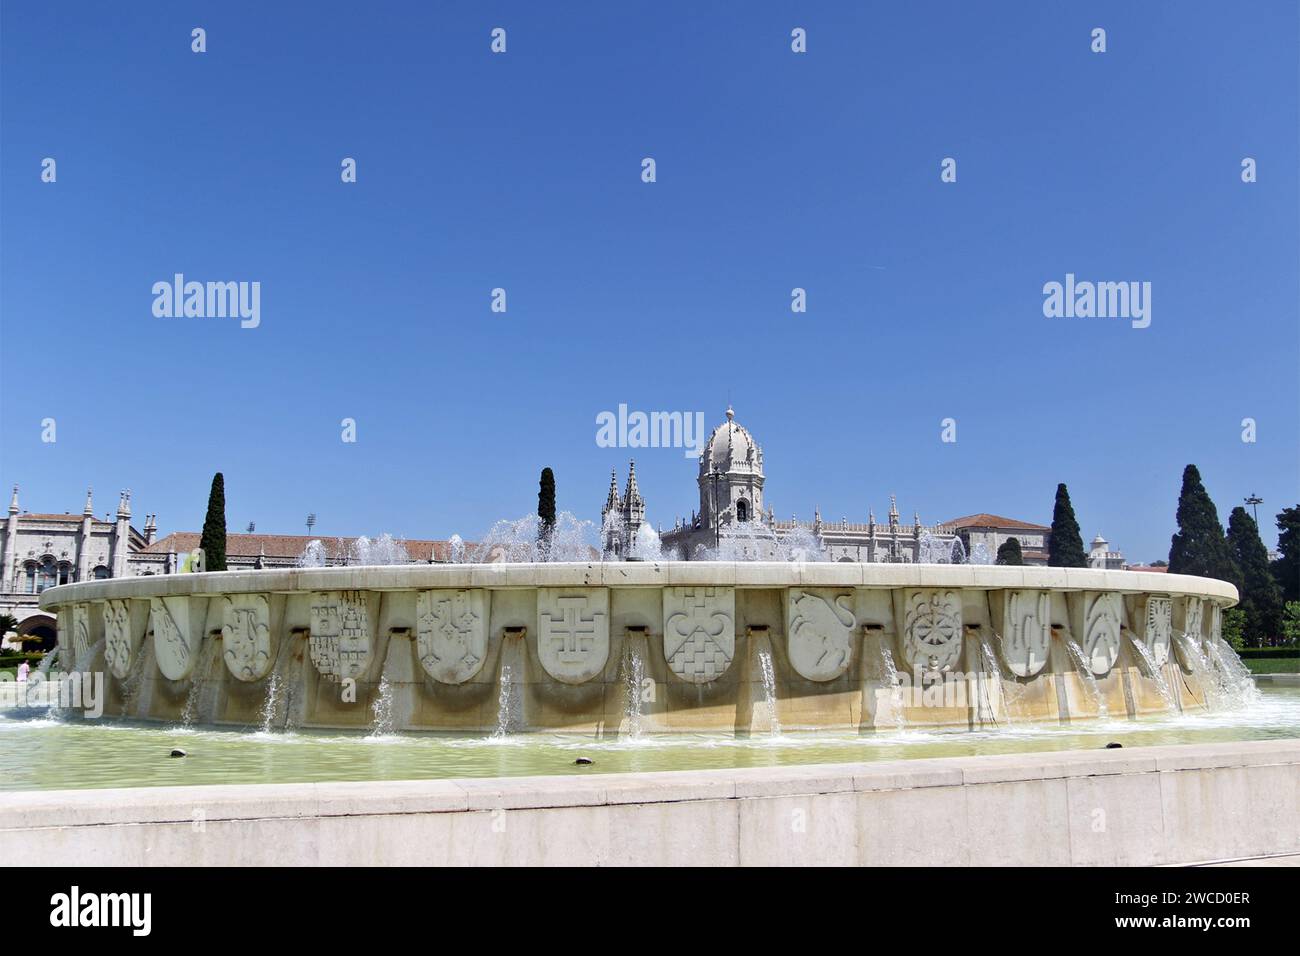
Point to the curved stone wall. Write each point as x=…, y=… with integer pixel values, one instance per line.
x=631, y=647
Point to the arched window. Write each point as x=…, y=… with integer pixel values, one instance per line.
x=101, y=572
x=29, y=571
x=65, y=572
x=742, y=510
x=47, y=577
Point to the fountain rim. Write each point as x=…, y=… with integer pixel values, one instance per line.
x=633, y=574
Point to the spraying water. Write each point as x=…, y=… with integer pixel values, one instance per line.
x=190, y=711
x=769, y=689
x=1086, y=676
x=895, y=688
x=633, y=682
x=1236, y=687
x=519, y=541
x=382, y=708
x=757, y=542
x=269, y=704
x=1013, y=691
x=314, y=555
x=1153, y=671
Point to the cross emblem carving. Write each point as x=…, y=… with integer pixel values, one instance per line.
x=573, y=635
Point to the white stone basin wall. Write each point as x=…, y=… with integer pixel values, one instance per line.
x=639, y=647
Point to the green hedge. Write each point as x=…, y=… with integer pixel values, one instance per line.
x=13, y=660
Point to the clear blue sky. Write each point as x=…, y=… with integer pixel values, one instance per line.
x=775, y=170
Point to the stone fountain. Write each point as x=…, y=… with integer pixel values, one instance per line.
x=715, y=646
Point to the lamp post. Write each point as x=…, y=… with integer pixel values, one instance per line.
x=1255, y=501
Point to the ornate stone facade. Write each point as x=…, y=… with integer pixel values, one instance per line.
x=734, y=522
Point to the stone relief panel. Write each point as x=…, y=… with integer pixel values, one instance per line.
x=340, y=642
x=451, y=633
x=81, y=632
x=573, y=632
x=1026, y=631
x=699, y=631
x=1189, y=631
x=1102, y=619
x=120, y=641
x=176, y=635
x=1159, y=628
x=931, y=628
x=246, y=635
x=820, y=629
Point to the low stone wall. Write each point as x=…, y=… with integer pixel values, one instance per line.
x=695, y=646
x=1141, y=806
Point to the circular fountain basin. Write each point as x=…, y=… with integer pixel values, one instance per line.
x=628, y=647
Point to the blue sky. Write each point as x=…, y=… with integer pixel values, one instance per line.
x=774, y=171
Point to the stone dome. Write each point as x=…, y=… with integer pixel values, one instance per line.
x=731, y=448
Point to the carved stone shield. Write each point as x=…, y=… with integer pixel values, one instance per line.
x=1099, y=640
x=573, y=632
x=177, y=629
x=819, y=632
x=246, y=634
x=340, y=643
x=699, y=631
x=932, y=629
x=120, y=641
x=1026, y=631
x=1159, y=628
x=451, y=633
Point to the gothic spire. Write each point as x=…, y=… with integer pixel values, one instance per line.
x=90, y=507
x=13, y=502
x=632, y=497
x=612, y=502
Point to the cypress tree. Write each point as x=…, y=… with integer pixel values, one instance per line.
x=1009, y=552
x=1066, y=547
x=1286, y=569
x=1199, y=546
x=1261, y=599
x=545, y=509
x=213, y=541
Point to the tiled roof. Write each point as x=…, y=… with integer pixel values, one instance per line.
x=74, y=519
x=291, y=545
x=985, y=520
x=1153, y=569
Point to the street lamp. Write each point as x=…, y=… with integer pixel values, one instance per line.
x=1255, y=501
